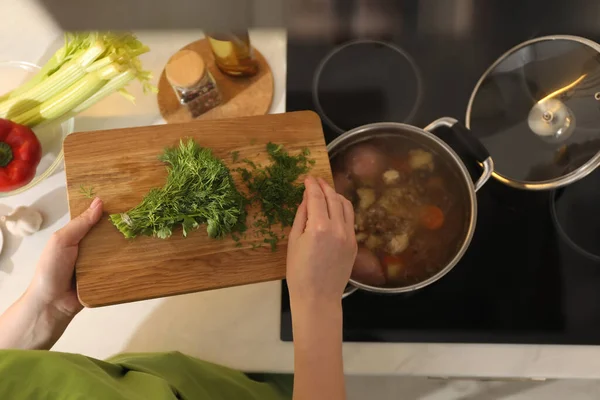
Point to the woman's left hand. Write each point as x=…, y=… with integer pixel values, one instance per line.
x=53, y=284
x=40, y=316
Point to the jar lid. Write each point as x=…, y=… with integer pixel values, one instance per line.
x=185, y=69
x=537, y=111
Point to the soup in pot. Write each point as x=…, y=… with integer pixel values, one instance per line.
x=411, y=209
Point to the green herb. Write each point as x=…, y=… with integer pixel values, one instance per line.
x=199, y=190
x=250, y=163
x=274, y=187
x=87, y=191
x=235, y=156
x=272, y=241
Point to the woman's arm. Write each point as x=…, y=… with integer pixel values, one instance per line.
x=321, y=252
x=41, y=315
x=27, y=324
x=318, y=365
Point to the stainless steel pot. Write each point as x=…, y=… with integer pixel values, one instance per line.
x=427, y=138
x=350, y=289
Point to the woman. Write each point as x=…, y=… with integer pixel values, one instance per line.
x=321, y=252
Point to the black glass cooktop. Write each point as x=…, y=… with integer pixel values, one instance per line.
x=519, y=281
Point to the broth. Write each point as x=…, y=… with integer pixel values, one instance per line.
x=411, y=208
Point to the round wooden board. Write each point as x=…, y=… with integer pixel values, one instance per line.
x=241, y=97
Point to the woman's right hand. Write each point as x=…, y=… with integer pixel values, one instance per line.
x=322, y=245
x=321, y=252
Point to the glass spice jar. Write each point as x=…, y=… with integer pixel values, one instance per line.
x=192, y=82
x=233, y=53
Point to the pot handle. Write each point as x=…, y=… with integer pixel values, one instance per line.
x=474, y=146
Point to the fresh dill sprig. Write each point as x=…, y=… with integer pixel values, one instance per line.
x=87, y=191
x=199, y=190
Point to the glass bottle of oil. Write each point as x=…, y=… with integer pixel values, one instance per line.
x=233, y=53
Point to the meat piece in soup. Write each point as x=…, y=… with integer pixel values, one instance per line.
x=411, y=209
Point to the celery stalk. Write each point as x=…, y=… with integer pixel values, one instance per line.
x=48, y=68
x=57, y=60
x=41, y=92
x=89, y=67
x=112, y=86
x=102, y=62
x=115, y=84
x=91, y=54
x=68, y=99
x=63, y=78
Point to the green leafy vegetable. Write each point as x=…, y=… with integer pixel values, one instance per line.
x=235, y=156
x=199, y=190
x=274, y=187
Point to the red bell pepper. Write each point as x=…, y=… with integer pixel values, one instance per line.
x=20, y=154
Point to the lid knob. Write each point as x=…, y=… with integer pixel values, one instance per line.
x=551, y=120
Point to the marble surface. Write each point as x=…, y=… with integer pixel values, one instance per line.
x=238, y=327
x=393, y=388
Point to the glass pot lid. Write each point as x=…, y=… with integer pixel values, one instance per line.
x=537, y=111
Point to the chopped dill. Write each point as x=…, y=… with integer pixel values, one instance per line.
x=274, y=187
x=272, y=241
x=235, y=237
x=250, y=163
x=200, y=190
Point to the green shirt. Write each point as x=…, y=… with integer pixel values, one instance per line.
x=33, y=374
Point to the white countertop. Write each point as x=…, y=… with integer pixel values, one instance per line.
x=238, y=327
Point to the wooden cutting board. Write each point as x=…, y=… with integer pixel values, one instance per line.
x=121, y=166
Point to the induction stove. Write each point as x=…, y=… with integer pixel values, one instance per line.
x=519, y=281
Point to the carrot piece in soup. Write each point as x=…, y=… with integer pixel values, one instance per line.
x=432, y=217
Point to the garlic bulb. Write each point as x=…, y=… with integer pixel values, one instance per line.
x=23, y=221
